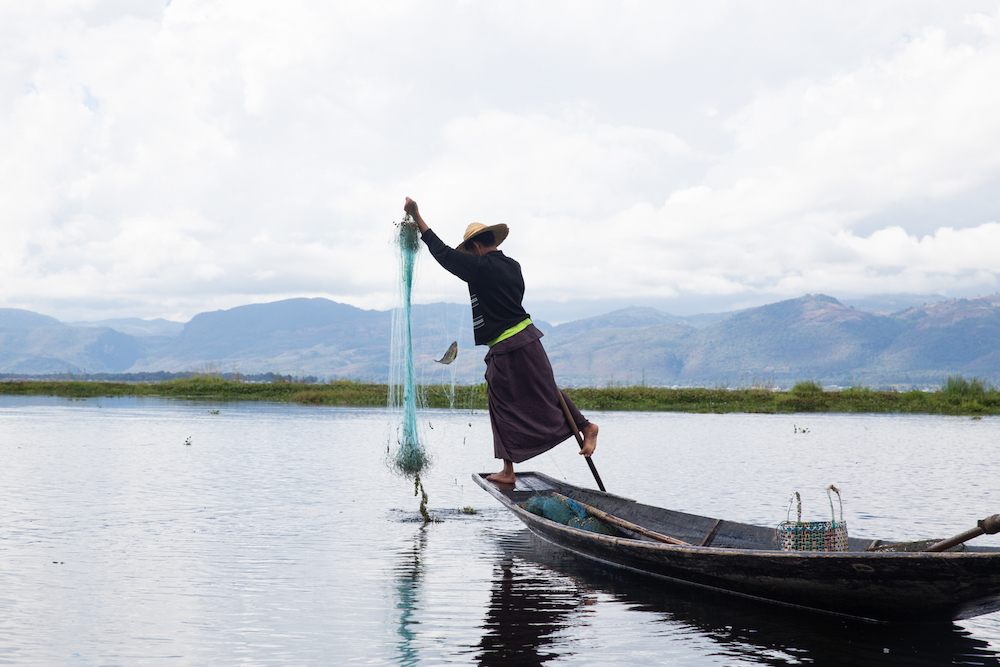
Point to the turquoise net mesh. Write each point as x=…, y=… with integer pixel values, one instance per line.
x=409, y=457
x=567, y=512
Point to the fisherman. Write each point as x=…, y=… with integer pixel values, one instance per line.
x=525, y=413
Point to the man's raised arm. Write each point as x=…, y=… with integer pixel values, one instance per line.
x=410, y=207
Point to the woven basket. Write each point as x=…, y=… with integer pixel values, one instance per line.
x=814, y=535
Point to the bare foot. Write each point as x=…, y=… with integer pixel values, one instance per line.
x=589, y=439
x=505, y=476
x=501, y=478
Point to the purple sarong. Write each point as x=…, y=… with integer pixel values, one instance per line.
x=521, y=392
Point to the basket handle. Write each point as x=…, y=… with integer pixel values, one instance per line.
x=833, y=516
x=797, y=499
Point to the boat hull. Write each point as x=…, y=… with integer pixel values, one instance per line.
x=881, y=586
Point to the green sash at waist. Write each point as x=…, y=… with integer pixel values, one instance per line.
x=517, y=328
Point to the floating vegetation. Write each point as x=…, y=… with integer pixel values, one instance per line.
x=468, y=510
x=418, y=489
x=956, y=386
x=807, y=387
x=473, y=397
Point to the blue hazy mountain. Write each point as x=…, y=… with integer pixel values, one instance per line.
x=960, y=335
x=892, y=303
x=312, y=337
x=812, y=337
x=158, y=328
x=31, y=343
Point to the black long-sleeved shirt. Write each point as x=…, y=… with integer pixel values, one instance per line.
x=496, y=286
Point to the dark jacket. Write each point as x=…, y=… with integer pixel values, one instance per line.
x=496, y=286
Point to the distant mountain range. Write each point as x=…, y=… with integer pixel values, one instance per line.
x=33, y=343
x=812, y=337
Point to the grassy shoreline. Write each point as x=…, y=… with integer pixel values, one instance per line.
x=957, y=396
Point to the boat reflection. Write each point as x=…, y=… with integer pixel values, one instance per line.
x=541, y=590
x=528, y=608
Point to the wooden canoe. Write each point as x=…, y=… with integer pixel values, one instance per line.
x=747, y=560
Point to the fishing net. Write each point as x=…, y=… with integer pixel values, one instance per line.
x=567, y=512
x=409, y=457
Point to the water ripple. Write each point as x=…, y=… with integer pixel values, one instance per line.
x=278, y=537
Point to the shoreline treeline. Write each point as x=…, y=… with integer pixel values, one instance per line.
x=956, y=395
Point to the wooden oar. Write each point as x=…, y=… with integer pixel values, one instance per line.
x=988, y=526
x=579, y=438
x=628, y=525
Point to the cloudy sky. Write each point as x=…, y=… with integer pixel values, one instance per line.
x=163, y=158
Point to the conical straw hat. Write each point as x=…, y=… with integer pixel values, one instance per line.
x=499, y=231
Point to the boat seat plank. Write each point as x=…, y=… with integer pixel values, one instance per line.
x=533, y=483
x=710, y=537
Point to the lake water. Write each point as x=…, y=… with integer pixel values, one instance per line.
x=279, y=537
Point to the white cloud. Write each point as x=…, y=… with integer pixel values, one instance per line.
x=812, y=158
x=508, y=166
x=163, y=160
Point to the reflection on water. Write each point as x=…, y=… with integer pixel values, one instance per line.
x=278, y=537
x=526, y=612
x=540, y=587
x=409, y=574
